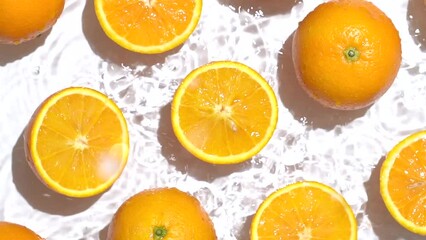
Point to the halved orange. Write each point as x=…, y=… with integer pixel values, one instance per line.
x=77, y=142
x=224, y=112
x=148, y=26
x=403, y=182
x=303, y=211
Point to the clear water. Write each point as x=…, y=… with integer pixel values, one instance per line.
x=341, y=149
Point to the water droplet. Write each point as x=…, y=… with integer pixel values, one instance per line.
x=255, y=134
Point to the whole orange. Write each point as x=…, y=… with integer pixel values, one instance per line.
x=346, y=53
x=10, y=231
x=23, y=20
x=161, y=214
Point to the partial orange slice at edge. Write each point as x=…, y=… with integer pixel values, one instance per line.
x=148, y=26
x=77, y=142
x=403, y=182
x=304, y=210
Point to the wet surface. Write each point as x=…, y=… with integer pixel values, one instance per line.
x=341, y=149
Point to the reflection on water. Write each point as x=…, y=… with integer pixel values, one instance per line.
x=341, y=149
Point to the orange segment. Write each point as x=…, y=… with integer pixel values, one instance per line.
x=148, y=26
x=302, y=211
x=78, y=142
x=224, y=112
x=403, y=182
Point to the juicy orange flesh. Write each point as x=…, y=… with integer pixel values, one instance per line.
x=224, y=112
x=85, y=141
x=407, y=182
x=149, y=22
x=304, y=213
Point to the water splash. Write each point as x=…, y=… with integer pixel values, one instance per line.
x=343, y=151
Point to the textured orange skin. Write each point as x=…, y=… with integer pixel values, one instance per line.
x=23, y=20
x=178, y=212
x=321, y=67
x=9, y=231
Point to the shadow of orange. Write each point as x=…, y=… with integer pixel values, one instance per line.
x=416, y=17
x=184, y=161
x=37, y=194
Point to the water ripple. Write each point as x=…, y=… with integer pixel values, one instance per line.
x=342, y=149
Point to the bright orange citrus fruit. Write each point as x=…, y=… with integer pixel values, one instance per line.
x=10, y=231
x=24, y=20
x=77, y=142
x=161, y=214
x=224, y=112
x=304, y=211
x=346, y=53
x=403, y=182
x=149, y=26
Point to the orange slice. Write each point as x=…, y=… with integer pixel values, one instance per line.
x=224, y=112
x=303, y=211
x=148, y=26
x=403, y=182
x=77, y=142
